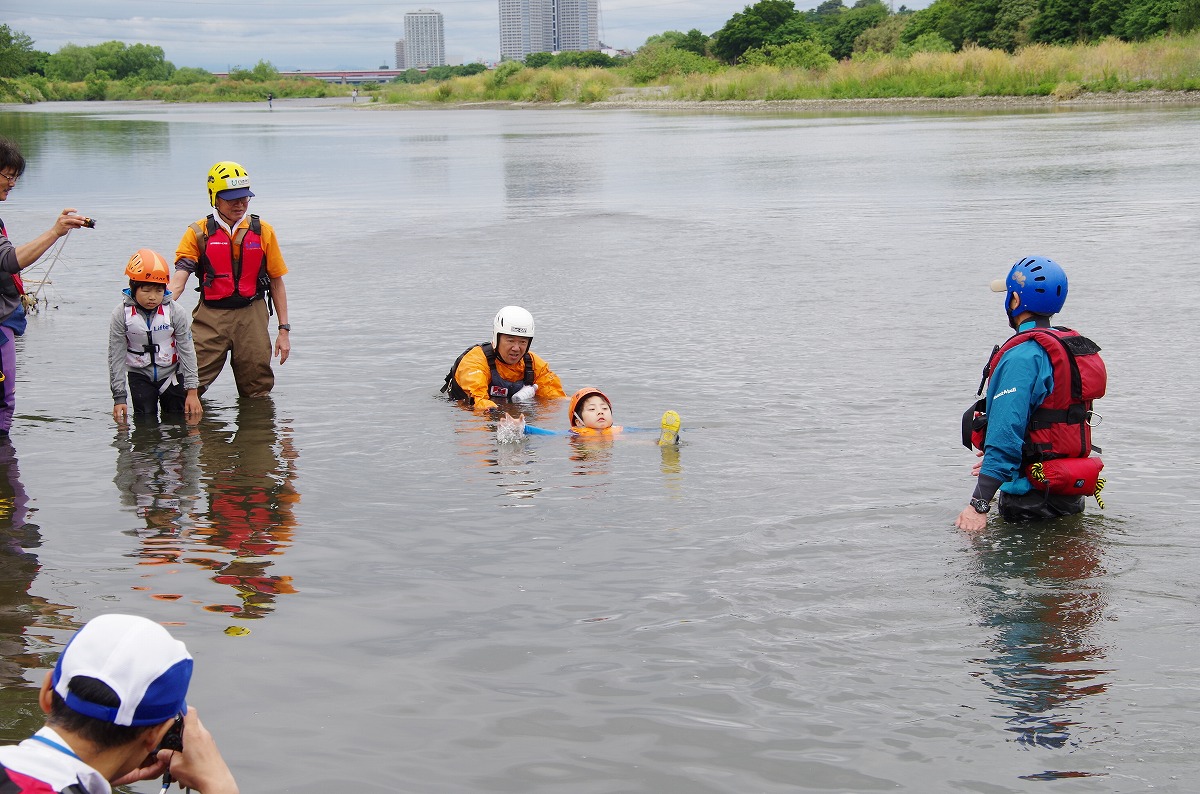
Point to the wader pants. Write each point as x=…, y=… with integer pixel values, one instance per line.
x=243, y=337
x=8, y=389
x=146, y=395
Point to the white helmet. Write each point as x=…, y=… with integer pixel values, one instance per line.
x=514, y=321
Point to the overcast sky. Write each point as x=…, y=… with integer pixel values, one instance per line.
x=308, y=34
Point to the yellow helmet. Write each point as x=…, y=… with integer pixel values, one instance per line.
x=148, y=266
x=229, y=178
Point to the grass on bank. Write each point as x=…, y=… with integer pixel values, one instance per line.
x=511, y=82
x=35, y=88
x=1171, y=64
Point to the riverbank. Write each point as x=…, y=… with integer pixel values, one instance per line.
x=884, y=104
x=635, y=99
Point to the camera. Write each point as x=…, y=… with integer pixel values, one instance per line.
x=89, y=223
x=173, y=738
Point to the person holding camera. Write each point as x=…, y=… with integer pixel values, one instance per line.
x=116, y=715
x=236, y=258
x=14, y=259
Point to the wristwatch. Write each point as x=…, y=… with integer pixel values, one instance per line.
x=285, y=326
x=981, y=505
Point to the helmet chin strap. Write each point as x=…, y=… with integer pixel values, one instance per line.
x=230, y=222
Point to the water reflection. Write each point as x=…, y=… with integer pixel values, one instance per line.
x=158, y=476
x=1043, y=602
x=591, y=455
x=246, y=469
x=537, y=176
x=20, y=610
x=77, y=134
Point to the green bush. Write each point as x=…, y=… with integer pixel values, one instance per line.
x=797, y=55
x=504, y=72
x=926, y=42
x=190, y=75
x=662, y=60
x=97, y=89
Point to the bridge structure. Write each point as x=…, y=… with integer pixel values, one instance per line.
x=343, y=76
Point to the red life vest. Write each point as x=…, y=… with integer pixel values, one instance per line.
x=10, y=283
x=229, y=281
x=1059, y=427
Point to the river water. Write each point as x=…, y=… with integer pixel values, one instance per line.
x=780, y=604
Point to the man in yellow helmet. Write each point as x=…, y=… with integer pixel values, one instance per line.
x=236, y=258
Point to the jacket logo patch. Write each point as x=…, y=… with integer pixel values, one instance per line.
x=1013, y=390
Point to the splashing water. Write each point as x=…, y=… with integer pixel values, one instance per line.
x=510, y=430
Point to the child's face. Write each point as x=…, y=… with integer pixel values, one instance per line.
x=596, y=413
x=149, y=296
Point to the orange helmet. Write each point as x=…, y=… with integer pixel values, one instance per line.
x=580, y=396
x=148, y=266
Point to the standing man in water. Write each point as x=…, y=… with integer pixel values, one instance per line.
x=503, y=369
x=1033, y=428
x=236, y=258
x=116, y=692
x=14, y=259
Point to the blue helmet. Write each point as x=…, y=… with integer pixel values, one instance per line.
x=1040, y=285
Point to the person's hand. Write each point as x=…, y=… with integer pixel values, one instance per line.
x=199, y=765
x=978, y=464
x=155, y=766
x=192, y=409
x=525, y=393
x=283, y=345
x=121, y=414
x=66, y=221
x=969, y=520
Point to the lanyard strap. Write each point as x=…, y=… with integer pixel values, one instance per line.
x=56, y=746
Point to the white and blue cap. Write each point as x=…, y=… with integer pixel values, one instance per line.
x=138, y=659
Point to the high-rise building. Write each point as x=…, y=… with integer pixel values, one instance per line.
x=528, y=26
x=401, y=60
x=424, y=42
x=578, y=25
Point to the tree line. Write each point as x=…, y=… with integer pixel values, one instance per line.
x=774, y=31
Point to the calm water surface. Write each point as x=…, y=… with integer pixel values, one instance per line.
x=781, y=604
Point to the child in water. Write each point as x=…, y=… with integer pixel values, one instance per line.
x=591, y=416
x=590, y=413
x=150, y=343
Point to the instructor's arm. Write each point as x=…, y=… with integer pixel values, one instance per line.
x=283, y=339
x=30, y=252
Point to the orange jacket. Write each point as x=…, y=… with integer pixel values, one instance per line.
x=591, y=432
x=475, y=377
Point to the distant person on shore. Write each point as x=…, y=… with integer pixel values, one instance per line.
x=354, y=95
x=236, y=259
x=150, y=345
x=270, y=98
x=14, y=259
x=503, y=369
x=1034, y=426
x=117, y=714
